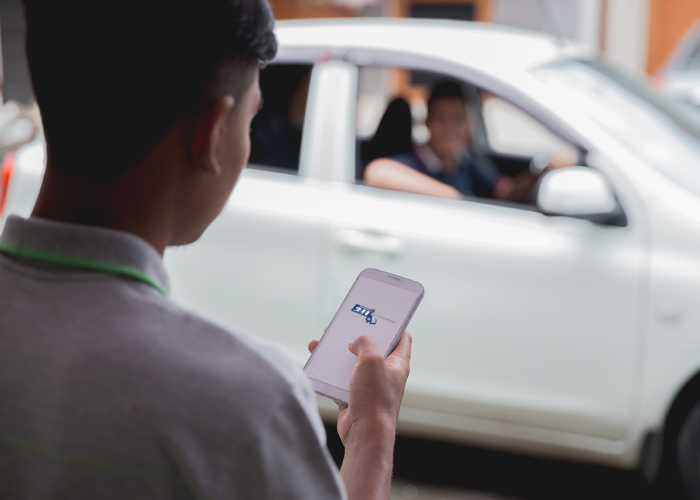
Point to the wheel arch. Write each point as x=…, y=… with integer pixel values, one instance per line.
x=659, y=449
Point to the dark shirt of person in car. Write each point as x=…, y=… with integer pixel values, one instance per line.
x=447, y=166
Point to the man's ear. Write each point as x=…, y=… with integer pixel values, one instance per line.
x=207, y=131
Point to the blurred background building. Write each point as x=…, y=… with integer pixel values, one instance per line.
x=637, y=35
x=634, y=35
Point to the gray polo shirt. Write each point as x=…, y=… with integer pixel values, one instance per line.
x=109, y=390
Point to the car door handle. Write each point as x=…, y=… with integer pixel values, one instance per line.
x=352, y=241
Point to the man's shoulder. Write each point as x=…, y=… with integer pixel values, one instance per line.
x=233, y=378
x=409, y=159
x=228, y=357
x=126, y=326
x=265, y=363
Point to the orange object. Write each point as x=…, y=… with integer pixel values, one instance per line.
x=5, y=174
x=668, y=22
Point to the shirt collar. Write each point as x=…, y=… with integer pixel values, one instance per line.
x=99, y=244
x=430, y=160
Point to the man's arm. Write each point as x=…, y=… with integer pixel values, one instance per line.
x=517, y=188
x=367, y=425
x=390, y=174
x=514, y=188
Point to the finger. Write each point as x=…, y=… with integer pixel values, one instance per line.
x=403, y=348
x=341, y=406
x=363, y=346
x=312, y=345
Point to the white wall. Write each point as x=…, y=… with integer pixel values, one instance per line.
x=576, y=19
x=627, y=34
x=557, y=17
x=626, y=25
x=589, y=15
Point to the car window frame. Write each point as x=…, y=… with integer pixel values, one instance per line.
x=478, y=110
x=475, y=78
x=294, y=55
x=469, y=75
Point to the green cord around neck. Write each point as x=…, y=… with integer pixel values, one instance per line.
x=90, y=265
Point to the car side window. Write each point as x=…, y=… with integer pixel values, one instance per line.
x=432, y=134
x=511, y=131
x=276, y=131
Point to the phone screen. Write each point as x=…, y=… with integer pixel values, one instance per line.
x=371, y=308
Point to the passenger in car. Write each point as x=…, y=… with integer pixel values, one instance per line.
x=276, y=130
x=447, y=166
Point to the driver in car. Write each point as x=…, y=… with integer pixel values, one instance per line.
x=447, y=166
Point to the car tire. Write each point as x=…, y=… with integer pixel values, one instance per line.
x=688, y=453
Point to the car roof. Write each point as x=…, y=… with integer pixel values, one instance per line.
x=493, y=47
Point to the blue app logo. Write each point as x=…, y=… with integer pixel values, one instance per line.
x=366, y=312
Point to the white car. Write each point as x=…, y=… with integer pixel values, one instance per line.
x=569, y=327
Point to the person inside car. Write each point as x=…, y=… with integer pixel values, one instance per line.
x=447, y=166
x=108, y=388
x=276, y=129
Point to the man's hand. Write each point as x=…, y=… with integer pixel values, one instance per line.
x=376, y=385
x=368, y=423
x=559, y=161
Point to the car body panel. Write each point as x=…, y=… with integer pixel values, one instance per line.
x=526, y=319
x=255, y=268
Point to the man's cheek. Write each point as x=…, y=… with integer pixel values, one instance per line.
x=244, y=151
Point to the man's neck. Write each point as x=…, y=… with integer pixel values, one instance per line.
x=448, y=160
x=123, y=205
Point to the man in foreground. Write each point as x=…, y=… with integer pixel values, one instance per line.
x=107, y=389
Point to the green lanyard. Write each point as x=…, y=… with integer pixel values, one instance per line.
x=90, y=265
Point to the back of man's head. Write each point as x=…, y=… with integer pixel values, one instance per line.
x=111, y=77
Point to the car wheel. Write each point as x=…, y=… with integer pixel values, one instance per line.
x=688, y=453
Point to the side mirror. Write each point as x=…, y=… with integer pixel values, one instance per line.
x=579, y=192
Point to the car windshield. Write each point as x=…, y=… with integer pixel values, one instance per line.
x=659, y=130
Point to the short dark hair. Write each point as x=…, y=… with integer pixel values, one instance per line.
x=111, y=77
x=446, y=88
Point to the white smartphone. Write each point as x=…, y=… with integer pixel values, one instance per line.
x=379, y=305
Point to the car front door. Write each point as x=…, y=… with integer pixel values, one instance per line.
x=527, y=319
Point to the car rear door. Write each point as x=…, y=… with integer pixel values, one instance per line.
x=257, y=266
